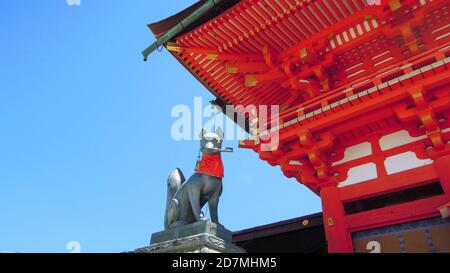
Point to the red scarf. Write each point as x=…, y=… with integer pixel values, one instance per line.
x=211, y=164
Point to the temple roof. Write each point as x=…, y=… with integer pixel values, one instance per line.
x=340, y=70
x=291, y=52
x=161, y=27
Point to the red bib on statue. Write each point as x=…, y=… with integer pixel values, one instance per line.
x=211, y=165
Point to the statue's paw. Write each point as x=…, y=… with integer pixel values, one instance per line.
x=203, y=217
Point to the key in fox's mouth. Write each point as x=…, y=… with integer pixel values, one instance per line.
x=222, y=150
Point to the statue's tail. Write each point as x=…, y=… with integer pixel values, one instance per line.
x=174, y=182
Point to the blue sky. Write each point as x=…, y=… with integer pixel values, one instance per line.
x=85, y=132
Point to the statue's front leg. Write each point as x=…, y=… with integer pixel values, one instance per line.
x=194, y=199
x=213, y=203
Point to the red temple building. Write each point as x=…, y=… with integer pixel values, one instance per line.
x=364, y=97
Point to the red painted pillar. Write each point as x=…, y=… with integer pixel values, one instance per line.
x=337, y=234
x=442, y=165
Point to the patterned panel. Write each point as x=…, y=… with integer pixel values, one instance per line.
x=416, y=241
x=429, y=235
x=390, y=244
x=441, y=238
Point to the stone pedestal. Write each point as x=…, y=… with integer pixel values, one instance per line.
x=199, y=237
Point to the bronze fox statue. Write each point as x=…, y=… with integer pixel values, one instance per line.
x=185, y=199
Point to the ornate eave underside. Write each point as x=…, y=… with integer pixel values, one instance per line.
x=343, y=73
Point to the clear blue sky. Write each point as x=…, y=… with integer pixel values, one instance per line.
x=85, y=143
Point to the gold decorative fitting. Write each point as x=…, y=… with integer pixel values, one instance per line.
x=212, y=56
x=250, y=80
x=330, y=221
x=232, y=69
x=395, y=5
x=303, y=53
x=173, y=48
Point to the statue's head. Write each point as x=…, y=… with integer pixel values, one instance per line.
x=211, y=143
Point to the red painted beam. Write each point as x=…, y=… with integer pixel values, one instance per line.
x=407, y=212
x=395, y=182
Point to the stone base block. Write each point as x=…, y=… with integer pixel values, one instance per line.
x=200, y=237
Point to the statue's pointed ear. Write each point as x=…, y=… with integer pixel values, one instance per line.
x=219, y=132
x=202, y=132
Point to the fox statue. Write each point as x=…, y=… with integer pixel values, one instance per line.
x=185, y=199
